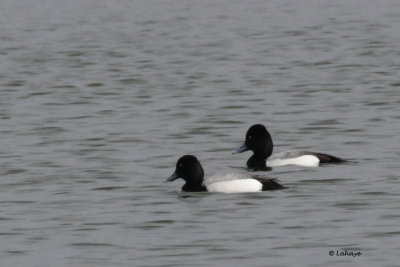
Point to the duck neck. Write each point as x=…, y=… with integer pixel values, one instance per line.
x=193, y=188
x=195, y=183
x=257, y=162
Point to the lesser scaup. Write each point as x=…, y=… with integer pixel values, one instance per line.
x=189, y=169
x=259, y=141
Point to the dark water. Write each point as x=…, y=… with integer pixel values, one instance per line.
x=100, y=98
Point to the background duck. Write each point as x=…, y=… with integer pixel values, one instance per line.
x=260, y=142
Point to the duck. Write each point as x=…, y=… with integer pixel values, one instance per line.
x=189, y=168
x=259, y=140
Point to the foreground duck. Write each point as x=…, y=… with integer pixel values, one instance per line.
x=190, y=170
x=259, y=141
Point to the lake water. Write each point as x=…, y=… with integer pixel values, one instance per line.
x=98, y=99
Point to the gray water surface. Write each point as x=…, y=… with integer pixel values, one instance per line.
x=98, y=99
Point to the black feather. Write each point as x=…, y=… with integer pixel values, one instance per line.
x=325, y=158
x=268, y=183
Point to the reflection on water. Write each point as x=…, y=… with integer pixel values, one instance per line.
x=99, y=100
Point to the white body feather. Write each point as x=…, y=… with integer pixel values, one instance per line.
x=235, y=186
x=232, y=183
x=304, y=160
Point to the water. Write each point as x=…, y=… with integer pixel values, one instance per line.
x=100, y=98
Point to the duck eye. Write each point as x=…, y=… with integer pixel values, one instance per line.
x=180, y=165
x=249, y=137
